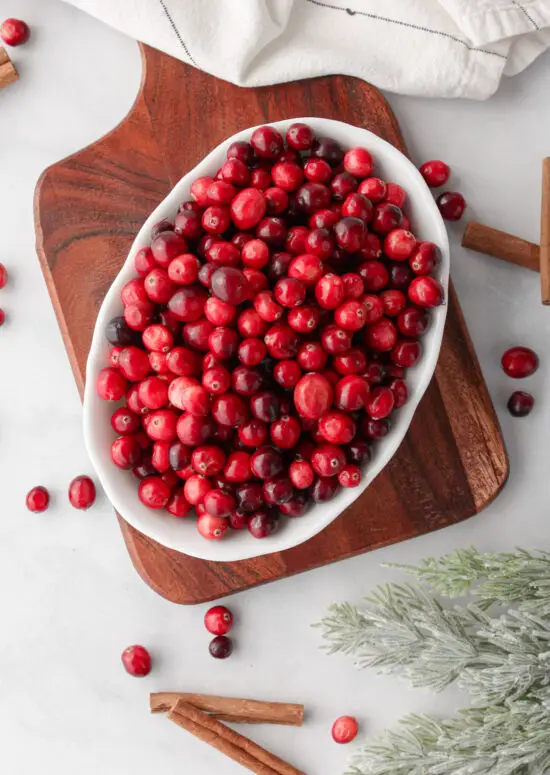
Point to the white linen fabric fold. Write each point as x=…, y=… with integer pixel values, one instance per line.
x=434, y=48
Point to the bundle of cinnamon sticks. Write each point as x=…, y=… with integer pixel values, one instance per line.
x=203, y=715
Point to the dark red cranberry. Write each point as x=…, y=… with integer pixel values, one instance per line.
x=188, y=224
x=451, y=205
x=313, y=196
x=394, y=302
x=300, y=136
x=358, y=452
x=263, y=523
x=386, y=218
x=375, y=429
x=241, y=150
x=296, y=240
x=261, y=179
x=178, y=456
x=276, y=200
x=229, y=285
x=37, y=499
x=197, y=334
x=519, y=362
x=342, y=185
x=374, y=275
x=296, y=507
x=250, y=496
x=166, y=246
x=223, y=342
x=329, y=150
x=220, y=647
x=413, y=321
x=119, y=332
x=324, y=488
x=278, y=490
x=520, y=404
x=272, y=230
x=266, y=463
x=256, y=282
x=287, y=373
x=265, y=406
x=187, y=304
x=250, y=323
x=246, y=381
x=400, y=392
x=218, y=503
x=267, y=142
x=350, y=234
x=230, y=410
x=278, y=265
x=238, y=520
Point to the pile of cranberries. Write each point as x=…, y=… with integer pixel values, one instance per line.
x=263, y=345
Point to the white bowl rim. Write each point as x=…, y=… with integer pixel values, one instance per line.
x=243, y=546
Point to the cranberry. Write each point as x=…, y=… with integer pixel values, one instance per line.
x=234, y=171
x=372, y=248
x=192, y=430
x=344, y=729
x=320, y=243
x=451, y=205
x=297, y=506
x=337, y=427
x=358, y=451
x=37, y=499
x=124, y=422
x=282, y=341
x=263, y=523
x=386, y=218
x=374, y=275
x=351, y=315
x=222, y=253
x=161, y=425
x=330, y=291
x=253, y=433
x=251, y=352
x=248, y=208
x=425, y=258
x=133, y=363
x=300, y=136
x=213, y=529
x=238, y=520
x=328, y=149
x=3, y=276
x=178, y=505
x=183, y=362
x=399, y=244
x=287, y=373
x=265, y=406
x=351, y=393
x=317, y=171
x=205, y=274
x=255, y=254
x=307, y=268
x=276, y=200
x=160, y=457
x=240, y=239
x=250, y=324
x=261, y=179
x=272, y=231
x=139, y=316
x=285, y=432
x=413, y=321
x=301, y=474
x=342, y=185
x=312, y=356
x=153, y=392
x=303, y=319
x=229, y=285
x=166, y=246
x=14, y=32
x=328, y=460
x=312, y=197
x=266, y=307
x=290, y=292
x=199, y=190
x=352, y=362
x=223, y=342
x=111, y=384
x=218, y=620
x=218, y=503
x=393, y=302
x=216, y=219
x=335, y=339
x=520, y=403
x=196, y=487
x=296, y=240
x=324, y=488
x=250, y=496
x=230, y=410
x=380, y=403
x=246, y=381
x=278, y=266
x=373, y=308
x=208, y=459
x=374, y=189
x=267, y=142
x=278, y=490
x=519, y=362
x=220, y=647
x=256, y=281
x=375, y=429
x=353, y=285
x=266, y=463
x=406, y=353
x=349, y=476
x=381, y=336
x=357, y=206
x=188, y=225
x=136, y=660
x=287, y=175
x=237, y=469
x=358, y=162
x=313, y=396
x=426, y=292
x=435, y=173
x=153, y=492
x=242, y=151
x=350, y=234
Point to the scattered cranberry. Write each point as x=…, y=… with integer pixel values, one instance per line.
x=4, y=278
x=136, y=660
x=451, y=205
x=14, y=32
x=38, y=499
x=220, y=647
x=519, y=362
x=218, y=620
x=345, y=729
x=82, y=492
x=435, y=173
x=520, y=404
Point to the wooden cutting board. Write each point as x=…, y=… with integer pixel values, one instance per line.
x=88, y=209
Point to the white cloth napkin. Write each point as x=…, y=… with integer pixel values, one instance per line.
x=436, y=48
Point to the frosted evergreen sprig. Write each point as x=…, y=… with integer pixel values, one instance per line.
x=405, y=631
x=518, y=577
x=513, y=738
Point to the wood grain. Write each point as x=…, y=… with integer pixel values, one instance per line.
x=88, y=208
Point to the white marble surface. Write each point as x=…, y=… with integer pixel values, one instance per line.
x=70, y=600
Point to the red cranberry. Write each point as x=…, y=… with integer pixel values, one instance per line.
x=166, y=246
x=188, y=224
x=344, y=729
x=267, y=142
x=153, y=492
x=372, y=247
x=208, y=459
x=425, y=258
x=230, y=410
x=218, y=503
x=435, y=173
x=307, y=268
x=335, y=339
x=358, y=452
x=426, y=292
x=373, y=307
x=37, y=499
x=266, y=307
x=213, y=529
x=250, y=496
x=374, y=189
x=303, y=319
x=381, y=336
x=330, y=291
x=296, y=240
x=265, y=406
x=351, y=393
x=320, y=243
x=312, y=196
x=413, y=321
x=255, y=254
x=246, y=381
x=153, y=392
x=240, y=239
x=349, y=476
x=301, y=474
x=352, y=362
x=235, y=172
x=124, y=421
x=350, y=234
x=313, y=396
x=374, y=275
x=111, y=384
x=229, y=285
x=520, y=404
x=278, y=490
x=328, y=149
x=194, y=430
x=223, y=253
x=263, y=523
x=266, y=463
x=248, y=208
x=276, y=200
x=196, y=487
x=395, y=195
x=242, y=151
x=223, y=342
x=134, y=402
x=351, y=315
x=328, y=460
x=399, y=244
x=353, y=285
x=3, y=276
x=256, y=282
x=386, y=218
x=178, y=505
x=205, y=274
x=342, y=185
x=251, y=352
x=219, y=312
x=144, y=261
x=282, y=341
x=451, y=205
x=297, y=506
x=393, y=302
x=134, y=363
x=357, y=206
x=285, y=432
x=237, y=469
x=139, y=316
x=287, y=175
x=220, y=192
x=400, y=392
x=136, y=660
x=14, y=32
x=261, y=179
x=161, y=425
x=324, y=488
x=290, y=292
x=375, y=429
x=272, y=231
x=197, y=334
x=317, y=170
x=199, y=190
x=82, y=492
x=312, y=356
x=380, y=403
x=218, y=620
x=216, y=219
x=253, y=433
x=358, y=162
x=300, y=136
x=337, y=427
x=287, y=373
x=250, y=324
x=160, y=458
x=183, y=362
x=519, y=362
x=406, y=353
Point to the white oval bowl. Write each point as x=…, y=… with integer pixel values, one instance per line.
x=121, y=486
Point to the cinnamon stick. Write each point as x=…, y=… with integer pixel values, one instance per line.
x=231, y=743
x=545, y=233
x=8, y=73
x=499, y=244
x=232, y=708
